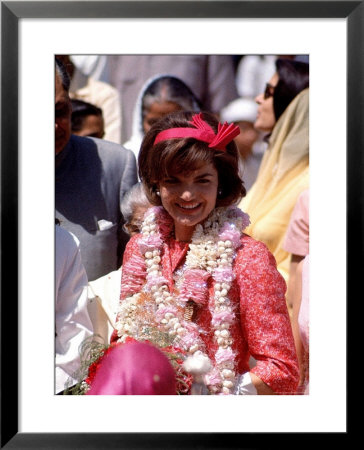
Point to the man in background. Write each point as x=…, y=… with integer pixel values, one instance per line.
x=91, y=177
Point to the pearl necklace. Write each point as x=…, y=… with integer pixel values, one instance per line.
x=211, y=253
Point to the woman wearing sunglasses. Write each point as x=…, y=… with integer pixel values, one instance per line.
x=284, y=170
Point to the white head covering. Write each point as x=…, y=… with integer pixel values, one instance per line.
x=94, y=66
x=135, y=141
x=239, y=110
x=137, y=135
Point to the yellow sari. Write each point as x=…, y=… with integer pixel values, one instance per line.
x=282, y=176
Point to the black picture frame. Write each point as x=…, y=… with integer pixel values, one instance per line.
x=11, y=12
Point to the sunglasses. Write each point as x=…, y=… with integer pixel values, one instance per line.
x=268, y=91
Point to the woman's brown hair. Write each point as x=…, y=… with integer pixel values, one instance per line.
x=183, y=155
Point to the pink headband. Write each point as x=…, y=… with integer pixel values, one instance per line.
x=202, y=132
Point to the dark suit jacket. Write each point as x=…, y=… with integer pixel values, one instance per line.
x=92, y=175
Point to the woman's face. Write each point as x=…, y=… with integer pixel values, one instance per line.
x=189, y=198
x=266, y=120
x=156, y=111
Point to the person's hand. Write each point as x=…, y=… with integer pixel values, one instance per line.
x=244, y=385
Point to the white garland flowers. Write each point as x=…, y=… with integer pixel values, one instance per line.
x=211, y=254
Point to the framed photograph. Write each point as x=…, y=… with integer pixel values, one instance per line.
x=331, y=33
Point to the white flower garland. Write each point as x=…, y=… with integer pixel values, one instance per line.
x=211, y=253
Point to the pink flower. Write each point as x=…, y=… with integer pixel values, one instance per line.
x=223, y=275
x=133, y=276
x=236, y=212
x=163, y=311
x=191, y=327
x=150, y=243
x=213, y=377
x=224, y=354
x=222, y=316
x=194, y=286
x=188, y=339
x=165, y=222
x=230, y=233
x=155, y=281
x=154, y=210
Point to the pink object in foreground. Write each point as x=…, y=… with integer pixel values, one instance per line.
x=134, y=368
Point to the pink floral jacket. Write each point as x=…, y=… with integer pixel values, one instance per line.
x=262, y=328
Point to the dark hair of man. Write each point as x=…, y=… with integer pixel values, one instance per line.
x=80, y=110
x=183, y=155
x=63, y=74
x=293, y=78
x=170, y=89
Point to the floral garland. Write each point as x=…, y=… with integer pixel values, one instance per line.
x=211, y=254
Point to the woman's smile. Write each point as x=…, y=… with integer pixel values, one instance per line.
x=189, y=207
x=189, y=198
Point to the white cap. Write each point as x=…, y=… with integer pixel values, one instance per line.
x=239, y=110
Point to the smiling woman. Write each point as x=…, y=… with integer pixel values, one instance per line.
x=181, y=144
x=189, y=199
x=193, y=283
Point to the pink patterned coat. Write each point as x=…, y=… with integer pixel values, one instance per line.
x=262, y=328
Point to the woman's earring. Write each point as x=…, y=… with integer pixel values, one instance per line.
x=158, y=193
x=219, y=193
